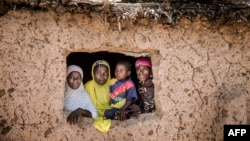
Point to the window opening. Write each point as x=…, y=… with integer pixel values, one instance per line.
x=85, y=61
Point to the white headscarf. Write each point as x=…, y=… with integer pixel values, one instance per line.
x=78, y=98
x=76, y=68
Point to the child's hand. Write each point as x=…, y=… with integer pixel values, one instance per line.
x=121, y=115
x=73, y=116
x=135, y=109
x=117, y=115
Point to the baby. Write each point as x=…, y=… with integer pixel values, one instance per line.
x=122, y=93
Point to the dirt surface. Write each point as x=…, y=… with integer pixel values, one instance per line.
x=201, y=72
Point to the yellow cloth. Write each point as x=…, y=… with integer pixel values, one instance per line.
x=99, y=95
x=102, y=124
x=119, y=104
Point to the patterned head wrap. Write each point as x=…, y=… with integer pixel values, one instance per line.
x=98, y=63
x=76, y=68
x=143, y=61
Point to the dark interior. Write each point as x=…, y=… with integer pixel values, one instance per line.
x=85, y=61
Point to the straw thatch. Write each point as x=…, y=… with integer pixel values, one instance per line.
x=166, y=11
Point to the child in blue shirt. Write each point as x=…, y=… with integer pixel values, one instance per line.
x=122, y=93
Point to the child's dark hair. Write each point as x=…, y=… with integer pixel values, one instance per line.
x=126, y=63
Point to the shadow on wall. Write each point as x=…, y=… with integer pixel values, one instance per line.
x=85, y=61
x=231, y=108
x=230, y=100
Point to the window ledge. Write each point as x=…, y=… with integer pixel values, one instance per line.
x=149, y=117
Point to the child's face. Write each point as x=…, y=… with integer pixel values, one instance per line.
x=143, y=73
x=101, y=74
x=121, y=72
x=74, y=80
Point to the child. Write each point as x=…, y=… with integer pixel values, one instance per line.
x=122, y=93
x=145, y=85
x=76, y=98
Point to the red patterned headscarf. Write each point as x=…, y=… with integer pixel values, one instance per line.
x=143, y=61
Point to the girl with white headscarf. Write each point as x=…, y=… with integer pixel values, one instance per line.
x=76, y=96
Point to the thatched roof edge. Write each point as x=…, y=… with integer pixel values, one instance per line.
x=169, y=11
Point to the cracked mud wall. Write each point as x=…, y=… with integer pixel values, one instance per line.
x=201, y=73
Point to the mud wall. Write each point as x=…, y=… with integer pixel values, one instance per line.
x=201, y=73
